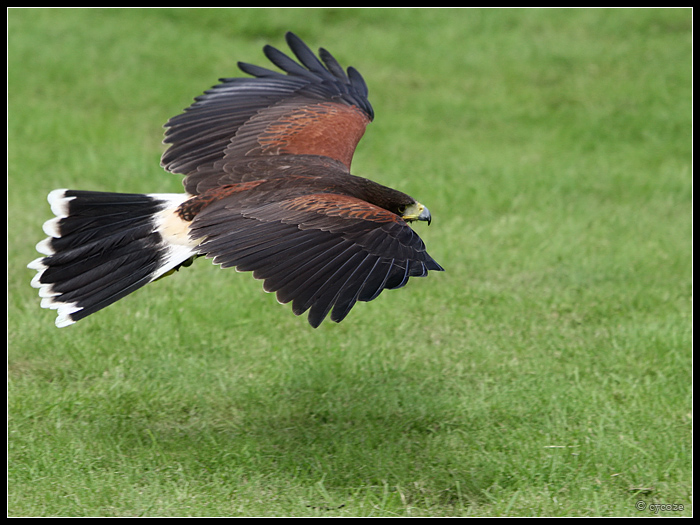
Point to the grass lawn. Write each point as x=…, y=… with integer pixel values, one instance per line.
x=547, y=372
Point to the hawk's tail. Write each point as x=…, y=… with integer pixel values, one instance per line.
x=103, y=246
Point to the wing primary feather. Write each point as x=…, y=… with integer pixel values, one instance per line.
x=283, y=276
x=286, y=64
x=375, y=286
x=312, y=283
x=347, y=296
x=326, y=278
x=256, y=71
x=398, y=279
x=323, y=300
x=358, y=81
x=292, y=286
x=333, y=66
x=306, y=56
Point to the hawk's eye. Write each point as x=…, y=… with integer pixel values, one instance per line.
x=402, y=208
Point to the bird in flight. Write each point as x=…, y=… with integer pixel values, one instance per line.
x=266, y=165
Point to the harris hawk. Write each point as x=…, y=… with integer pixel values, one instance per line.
x=266, y=164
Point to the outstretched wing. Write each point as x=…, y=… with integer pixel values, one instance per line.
x=321, y=252
x=313, y=108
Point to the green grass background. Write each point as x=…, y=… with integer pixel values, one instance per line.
x=546, y=372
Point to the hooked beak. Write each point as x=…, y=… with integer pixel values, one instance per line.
x=425, y=215
x=417, y=212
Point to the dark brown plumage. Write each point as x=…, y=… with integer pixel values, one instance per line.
x=268, y=188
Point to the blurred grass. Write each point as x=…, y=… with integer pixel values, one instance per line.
x=547, y=372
